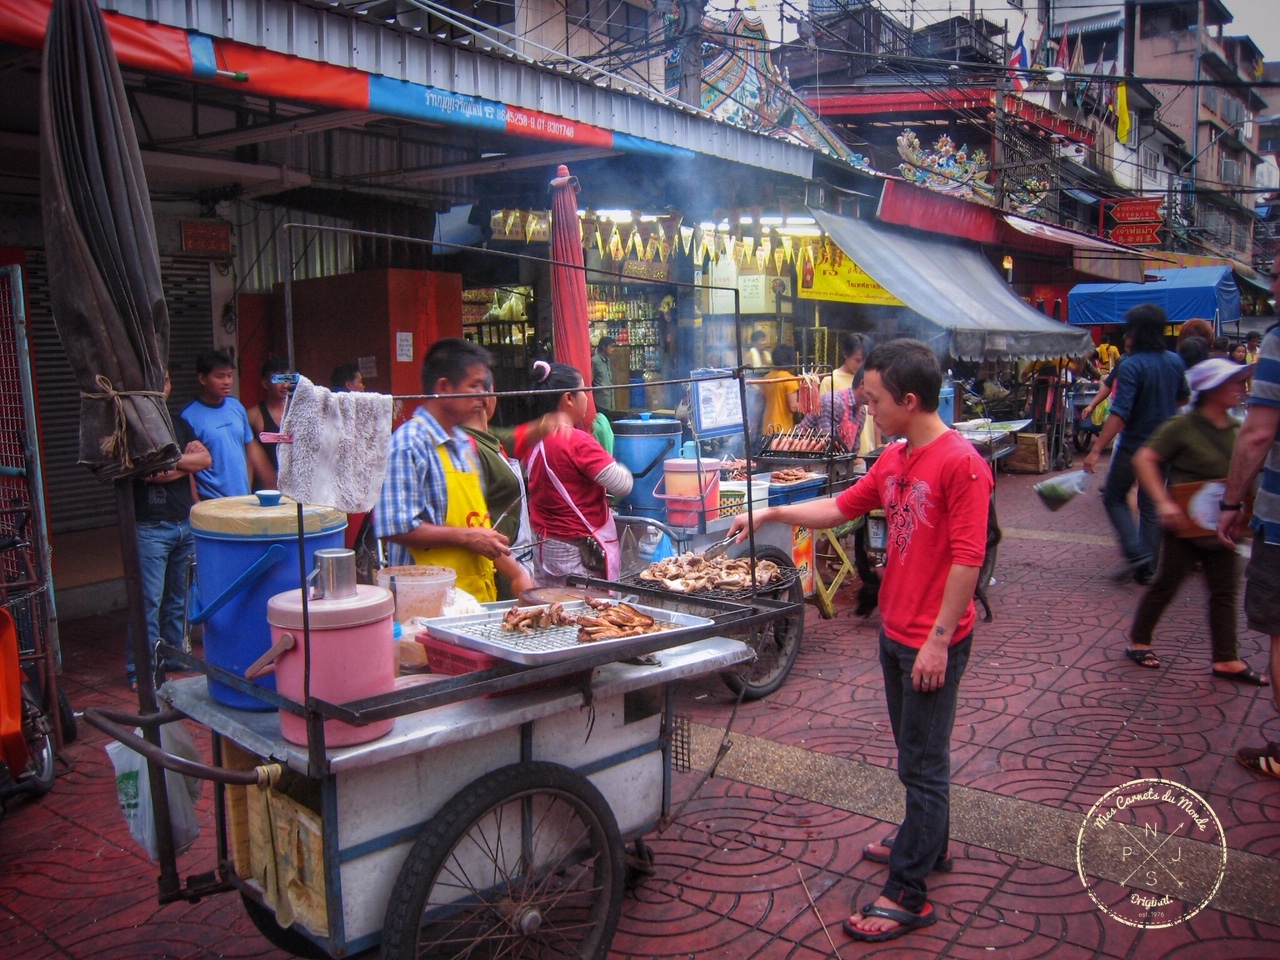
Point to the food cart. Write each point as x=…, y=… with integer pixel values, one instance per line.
x=485, y=817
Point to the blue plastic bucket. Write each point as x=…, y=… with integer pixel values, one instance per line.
x=947, y=403
x=246, y=553
x=637, y=393
x=641, y=445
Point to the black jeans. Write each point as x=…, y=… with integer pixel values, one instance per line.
x=1178, y=559
x=922, y=723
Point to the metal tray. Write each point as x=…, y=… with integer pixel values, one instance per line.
x=483, y=632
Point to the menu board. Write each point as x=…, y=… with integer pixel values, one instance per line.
x=717, y=404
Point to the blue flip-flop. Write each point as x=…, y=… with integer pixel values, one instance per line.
x=906, y=920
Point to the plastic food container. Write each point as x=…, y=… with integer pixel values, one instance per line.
x=353, y=656
x=780, y=494
x=733, y=495
x=420, y=591
x=452, y=660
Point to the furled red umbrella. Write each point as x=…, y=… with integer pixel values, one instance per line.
x=108, y=304
x=569, y=313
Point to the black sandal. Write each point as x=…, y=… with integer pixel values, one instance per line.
x=1143, y=658
x=1247, y=676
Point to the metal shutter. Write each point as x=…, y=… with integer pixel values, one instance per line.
x=76, y=501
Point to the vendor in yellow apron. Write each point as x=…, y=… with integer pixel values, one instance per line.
x=466, y=509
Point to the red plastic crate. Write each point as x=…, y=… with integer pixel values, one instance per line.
x=453, y=660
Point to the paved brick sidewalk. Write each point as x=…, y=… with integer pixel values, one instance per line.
x=1052, y=716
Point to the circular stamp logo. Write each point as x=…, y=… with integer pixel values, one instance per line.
x=1151, y=853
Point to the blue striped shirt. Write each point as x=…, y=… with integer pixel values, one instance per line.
x=414, y=491
x=1266, y=392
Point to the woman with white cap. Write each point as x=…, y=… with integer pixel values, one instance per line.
x=1194, y=447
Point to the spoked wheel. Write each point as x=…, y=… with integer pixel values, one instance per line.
x=776, y=644
x=38, y=732
x=1082, y=440
x=526, y=862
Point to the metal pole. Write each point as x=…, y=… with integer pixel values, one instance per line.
x=286, y=277
x=169, y=883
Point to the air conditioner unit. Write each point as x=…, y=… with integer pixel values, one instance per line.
x=1229, y=170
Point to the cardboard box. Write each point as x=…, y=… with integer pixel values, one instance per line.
x=1030, y=454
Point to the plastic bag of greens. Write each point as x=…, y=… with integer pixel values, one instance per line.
x=1056, y=492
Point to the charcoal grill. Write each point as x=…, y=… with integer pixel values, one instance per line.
x=483, y=632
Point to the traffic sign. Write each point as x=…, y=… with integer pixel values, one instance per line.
x=1137, y=210
x=1136, y=234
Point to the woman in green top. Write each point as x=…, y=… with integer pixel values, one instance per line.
x=1194, y=446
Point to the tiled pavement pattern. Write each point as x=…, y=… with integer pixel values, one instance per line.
x=1051, y=717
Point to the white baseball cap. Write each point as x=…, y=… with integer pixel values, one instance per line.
x=1214, y=372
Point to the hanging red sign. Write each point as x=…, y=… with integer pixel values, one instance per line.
x=1137, y=211
x=1136, y=234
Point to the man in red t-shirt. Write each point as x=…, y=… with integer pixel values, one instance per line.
x=936, y=491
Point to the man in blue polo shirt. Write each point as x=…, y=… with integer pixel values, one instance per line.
x=221, y=424
x=1150, y=385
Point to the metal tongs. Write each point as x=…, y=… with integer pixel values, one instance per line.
x=718, y=549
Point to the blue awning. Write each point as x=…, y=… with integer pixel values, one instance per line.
x=1209, y=293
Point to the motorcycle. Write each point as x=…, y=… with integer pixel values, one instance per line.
x=27, y=752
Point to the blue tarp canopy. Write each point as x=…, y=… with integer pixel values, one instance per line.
x=1209, y=293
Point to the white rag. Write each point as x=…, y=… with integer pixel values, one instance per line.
x=339, y=451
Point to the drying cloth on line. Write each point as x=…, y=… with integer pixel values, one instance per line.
x=339, y=451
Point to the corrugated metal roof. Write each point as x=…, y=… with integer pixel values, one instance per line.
x=299, y=28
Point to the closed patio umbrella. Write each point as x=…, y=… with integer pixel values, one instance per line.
x=108, y=305
x=569, y=314
x=104, y=271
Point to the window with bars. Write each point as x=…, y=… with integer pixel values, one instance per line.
x=1149, y=163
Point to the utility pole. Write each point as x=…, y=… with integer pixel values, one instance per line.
x=999, y=155
x=689, y=32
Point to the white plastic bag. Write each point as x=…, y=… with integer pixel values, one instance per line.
x=1056, y=492
x=133, y=790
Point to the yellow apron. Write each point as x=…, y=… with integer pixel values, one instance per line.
x=466, y=509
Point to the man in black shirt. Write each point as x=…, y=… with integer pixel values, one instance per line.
x=162, y=505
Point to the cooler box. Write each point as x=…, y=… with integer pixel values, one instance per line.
x=784, y=493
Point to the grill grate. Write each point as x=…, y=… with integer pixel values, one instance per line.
x=681, y=743
x=776, y=585
x=541, y=640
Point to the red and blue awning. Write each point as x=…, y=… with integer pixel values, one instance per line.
x=157, y=48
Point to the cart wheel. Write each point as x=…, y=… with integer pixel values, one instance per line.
x=1082, y=440
x=525, y=861
x=67, y=717
x=776, y=644
x=39, y=736
x=286, y=938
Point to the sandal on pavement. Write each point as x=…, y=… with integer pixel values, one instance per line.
x=1247, y=676
x=879, y=853
x=906, y=921
x=1264, y=760
x=1143, y=658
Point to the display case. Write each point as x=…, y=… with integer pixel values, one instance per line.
x=497, y=318
x=629, y=314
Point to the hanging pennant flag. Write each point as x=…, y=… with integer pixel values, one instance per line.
x=530, y=226
x=599, y=239
x=748, y=244
x=762, y=258
x=766, y=248
x=652, y=247
x=616, y=249
x=1122, y=112
x=779, y=259
x=788, y=247
x=637, y=243
x=686, y=238
x=1020, y=60
x=1064, y=52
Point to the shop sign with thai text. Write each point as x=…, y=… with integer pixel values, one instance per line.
x=827, y=273
x=1136, y=234
x=1138, y=210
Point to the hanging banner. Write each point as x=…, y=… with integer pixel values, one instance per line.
x=827, y=274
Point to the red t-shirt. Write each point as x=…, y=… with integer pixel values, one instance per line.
x=936, y=501
x=576, y=458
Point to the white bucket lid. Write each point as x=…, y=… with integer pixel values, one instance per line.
x=369, y=605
